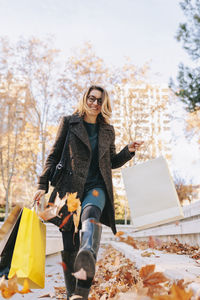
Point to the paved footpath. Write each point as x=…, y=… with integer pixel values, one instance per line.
x=172, y=265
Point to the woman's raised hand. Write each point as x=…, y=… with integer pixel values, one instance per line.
x=38, y=195
x=133, y=146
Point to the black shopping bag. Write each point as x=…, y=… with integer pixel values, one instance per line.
x=8, y=235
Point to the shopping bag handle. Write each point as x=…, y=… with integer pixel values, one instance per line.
x=140, y=155
x=35, y=207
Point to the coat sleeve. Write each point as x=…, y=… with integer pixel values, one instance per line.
x=119, y=159
x=54, y=155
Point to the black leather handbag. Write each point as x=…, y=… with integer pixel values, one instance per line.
x=55, y=178
x=60, y=169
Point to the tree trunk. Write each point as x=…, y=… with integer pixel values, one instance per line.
x=7, y=200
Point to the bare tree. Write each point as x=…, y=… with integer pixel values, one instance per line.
x=11, y=93
x=32, y=64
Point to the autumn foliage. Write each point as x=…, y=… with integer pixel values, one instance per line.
x=117, y=278
x=10, y=287
x=72, y=202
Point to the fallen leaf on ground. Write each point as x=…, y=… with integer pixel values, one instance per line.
x=154, y=278
x=196, y=256
x=6, y=293
x=9, y=287
x=50, y=295
x=60, y=292
x=129, y=240
x=175, y=293
x=146, y=271
x=119, y=233
x=147, y=254
x=131, y=296
x=8, y=290
x=3, y=282
x=117, y=261
x=104, y=297
x=25, y=289
x=152, y=242
x=12, y=284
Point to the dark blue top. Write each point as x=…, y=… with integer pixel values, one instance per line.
x=94, y=178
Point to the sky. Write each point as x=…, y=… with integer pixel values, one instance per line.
x=143, y=30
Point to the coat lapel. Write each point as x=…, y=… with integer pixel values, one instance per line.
x=79, y=130
x=105, y=133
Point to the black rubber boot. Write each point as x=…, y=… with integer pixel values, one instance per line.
x=82, y=292
x=86, y=257
x=68, y=259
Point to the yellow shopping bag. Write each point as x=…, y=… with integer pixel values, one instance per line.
x=28, y=261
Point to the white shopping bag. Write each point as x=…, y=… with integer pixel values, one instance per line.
x=151, y=194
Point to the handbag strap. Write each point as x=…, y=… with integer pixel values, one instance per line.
x=61, y=164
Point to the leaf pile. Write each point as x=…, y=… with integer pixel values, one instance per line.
x=117, y=278
x=114, y=274
x=60, y=292
x=170, y=247
x=179, y=248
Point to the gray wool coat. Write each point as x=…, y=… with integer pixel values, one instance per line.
x=80, y=155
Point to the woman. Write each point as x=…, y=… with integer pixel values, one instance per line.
x=92, y=156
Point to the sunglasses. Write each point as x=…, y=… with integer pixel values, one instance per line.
x=92, y=99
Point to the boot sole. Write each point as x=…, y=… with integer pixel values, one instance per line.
x=86, y=261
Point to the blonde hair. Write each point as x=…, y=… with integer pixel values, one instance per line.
x=106, y=109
